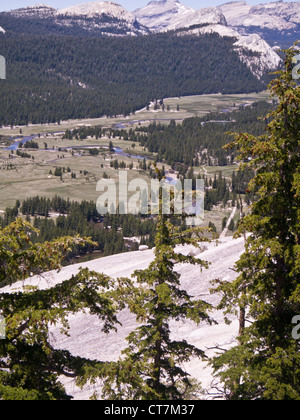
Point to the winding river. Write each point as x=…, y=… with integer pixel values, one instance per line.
x=118, y=151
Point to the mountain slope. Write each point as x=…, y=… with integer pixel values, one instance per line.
x=60, y=66
x=85, y=340
x=98, y=8
x=110, y=19
x=40, y=10
x=259, y=57
x=100, y=15
x=277, y=15
x=160, y=15
x=52, y=78
x=278, y=23
x=264, y=58
x=164, y=15
x=94, y=18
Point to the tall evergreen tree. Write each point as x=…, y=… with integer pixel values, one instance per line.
x=265, y=365
x=30, y=367
x=152, y=368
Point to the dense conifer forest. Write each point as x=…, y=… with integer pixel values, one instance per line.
x=73, y=218
x=200, y=141
x=52, y=78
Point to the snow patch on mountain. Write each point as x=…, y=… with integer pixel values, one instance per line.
x=2, y=30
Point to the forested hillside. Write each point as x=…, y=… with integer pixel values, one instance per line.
x=53, y=78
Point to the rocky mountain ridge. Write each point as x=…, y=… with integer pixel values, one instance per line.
x=104, y=18
x=256, y=29
x=276, y=22
x=165, y=15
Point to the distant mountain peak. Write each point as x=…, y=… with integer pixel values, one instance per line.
x=273, y=16
x=98, y=8
x=97, y=17
x=163, y=2
x=160, y=15
x=107, y=17
x=37, y=10
x=277, y=23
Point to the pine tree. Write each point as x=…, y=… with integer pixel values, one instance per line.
x=30, y=368
x=265, y=364
x=153, y=365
